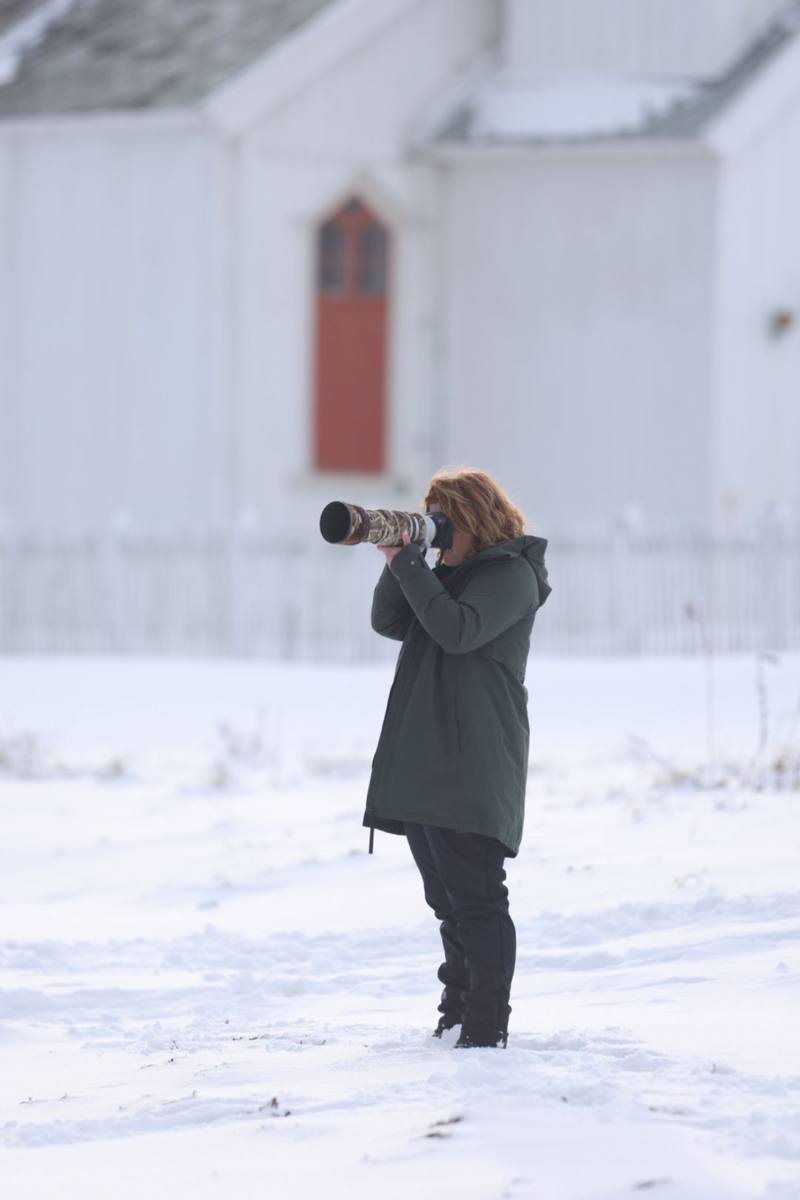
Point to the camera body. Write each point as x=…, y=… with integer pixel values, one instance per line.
x=344, y=524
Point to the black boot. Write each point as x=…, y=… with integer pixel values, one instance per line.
x=473, y=1037
x=446, y=1022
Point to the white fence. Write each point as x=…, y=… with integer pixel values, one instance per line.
x=237, y=593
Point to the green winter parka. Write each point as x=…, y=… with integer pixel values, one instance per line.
x=453, y=749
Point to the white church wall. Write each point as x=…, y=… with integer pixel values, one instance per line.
x=113, y=336
x=8, y=406
x=579, y=328
x=348, y=132
x=640, y=37
x=756, y=443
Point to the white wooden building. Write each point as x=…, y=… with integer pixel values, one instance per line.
x=256, y=255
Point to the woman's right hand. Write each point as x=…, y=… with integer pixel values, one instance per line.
x=389, y=552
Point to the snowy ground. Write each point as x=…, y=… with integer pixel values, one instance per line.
x=209, y=988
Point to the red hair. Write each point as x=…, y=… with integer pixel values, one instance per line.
x=476, y=503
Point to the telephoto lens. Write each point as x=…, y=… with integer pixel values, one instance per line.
x=348, y=524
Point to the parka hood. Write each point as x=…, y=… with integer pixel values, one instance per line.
x=529, y=547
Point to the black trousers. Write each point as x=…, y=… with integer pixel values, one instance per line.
x=462, y=875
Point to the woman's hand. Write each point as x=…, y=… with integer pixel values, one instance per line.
x=389, y=552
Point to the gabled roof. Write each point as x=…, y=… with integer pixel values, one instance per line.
x=574, y=111
x=106, y=55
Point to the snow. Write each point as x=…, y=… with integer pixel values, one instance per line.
x=26, y=33
x=572, y=107
x=208, y=987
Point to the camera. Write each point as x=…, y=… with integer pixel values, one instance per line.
x=344, y=524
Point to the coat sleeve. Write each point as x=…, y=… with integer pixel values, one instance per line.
x=391, y=612
x=498, y=596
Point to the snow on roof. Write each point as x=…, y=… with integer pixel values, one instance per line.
x=12, y=11
x=568, y=107
x=29, y=27
x=86, y=55
x=504, y=110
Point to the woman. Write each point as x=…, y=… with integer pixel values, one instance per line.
x=451, y=764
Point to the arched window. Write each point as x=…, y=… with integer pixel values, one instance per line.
x=372, y=260
x=331, y=257
x=352, y=259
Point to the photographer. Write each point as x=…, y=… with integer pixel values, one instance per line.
x=451, y=764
